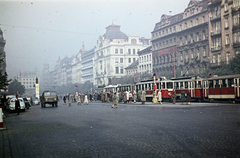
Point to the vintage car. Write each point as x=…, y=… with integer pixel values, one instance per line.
x=35, y=101
x=12, y=104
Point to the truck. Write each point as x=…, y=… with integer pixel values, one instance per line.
x=49, y=97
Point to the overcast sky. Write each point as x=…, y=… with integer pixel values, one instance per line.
x=41, y=31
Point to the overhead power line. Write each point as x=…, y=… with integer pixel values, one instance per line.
x=26, y=27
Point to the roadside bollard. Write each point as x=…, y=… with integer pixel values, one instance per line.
x=1, y=117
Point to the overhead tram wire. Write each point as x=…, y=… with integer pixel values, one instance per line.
x=26, y=27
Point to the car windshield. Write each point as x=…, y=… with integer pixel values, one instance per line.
x=49, y=93
x=20, y=99
x=35, y=99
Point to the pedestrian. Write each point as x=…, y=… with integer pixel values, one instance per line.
x=125, y=97
x=130, y=96
x=69, y=99
x=174, y=96
x=86, y=99
x=64, y=99
x=143, y=98
x=79, y=99
x=134, y=96
x=114, y=100
x=102, y=97
x=183, y=97
x=188, y=98
x=159, y=96
x=17, y=106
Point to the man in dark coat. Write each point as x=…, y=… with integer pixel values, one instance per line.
x=188, y=97
x=17, y=106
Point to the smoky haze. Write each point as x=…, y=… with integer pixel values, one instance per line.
x=42, y=31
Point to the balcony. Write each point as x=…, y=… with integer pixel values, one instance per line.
x=215, y=49
x=217, y=64
x=215, y=33
x=215, y=17
x=213, y=2
x=236, y=44
x=236, y=26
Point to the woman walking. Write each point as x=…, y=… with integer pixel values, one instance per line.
x=183, y=97
x=159, y=96
x=114, y=100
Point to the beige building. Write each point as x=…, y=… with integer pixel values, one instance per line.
x=180, y=42
x=224, y=31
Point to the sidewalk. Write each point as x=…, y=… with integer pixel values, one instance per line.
x=4, y=145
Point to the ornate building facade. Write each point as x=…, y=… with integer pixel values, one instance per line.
x=180, y=42
x=224, y=31
x=114, y=52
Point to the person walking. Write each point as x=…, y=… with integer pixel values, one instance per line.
x=130, y=96
x=114, y=100
x=17, y=106
x=174, y=96
x=102, y=97
x=183, y=97
x=86, y=99
x=159, y=96
x=125, y=97
x=134, y=96
x=79, y=99
x=188, y=98
x=143, y=98
x=69, y=99
x=64, y=99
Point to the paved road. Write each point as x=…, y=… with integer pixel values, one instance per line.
x=130, y=131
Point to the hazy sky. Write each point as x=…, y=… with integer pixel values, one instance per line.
x=41, y=31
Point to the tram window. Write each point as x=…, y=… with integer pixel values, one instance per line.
x=163, y=85
x=181, y=85
x=169, y=85
x=216, y=83
x=223, y=83
x=211, y=84
x=176, y=85
x=192, y=85
x=158, y=85
x=145, y=87
x=186, y=85
x=230, y=82
x=149, y=86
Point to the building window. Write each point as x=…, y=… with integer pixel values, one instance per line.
x=133, y=51
x=121, y=51
x=180, y=27
x=117, y=70
x=129, y=51
x=121, y=70
x=203, y=33
x=150, y=57
x=174, y=29
x=197, y=21
x=226, y=23
x=227, y=40
x=203, y=19
x=121, y=60
x=116, y=60
x=116, y=51
x=129, y=60
x=134, y=60
x=227, y=57
x=133, y=41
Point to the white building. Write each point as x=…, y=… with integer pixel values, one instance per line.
x=145, y=60
x=87, y=66
x=114, y=52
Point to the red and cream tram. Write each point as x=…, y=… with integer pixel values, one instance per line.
x=222, y=88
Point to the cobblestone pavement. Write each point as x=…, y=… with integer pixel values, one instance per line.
x=130, y=131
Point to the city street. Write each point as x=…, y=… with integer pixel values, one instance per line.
x=130, y=131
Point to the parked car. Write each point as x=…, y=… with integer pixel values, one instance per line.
x=27, y=103
x=35, y=101
x=12, y=104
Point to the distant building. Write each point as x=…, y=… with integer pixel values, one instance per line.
x=3, y=54
x=87, y=66
x=28, y=80
x=145, y=60
x=114, y=52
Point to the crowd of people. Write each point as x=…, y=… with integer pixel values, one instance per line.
x=119, y=97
